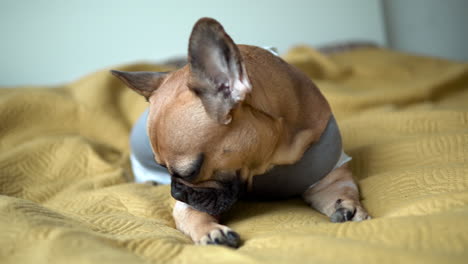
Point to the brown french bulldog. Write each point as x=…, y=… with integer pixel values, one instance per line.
x=238, y=121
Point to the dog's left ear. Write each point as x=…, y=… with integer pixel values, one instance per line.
x=218, y=74
x=144, y=83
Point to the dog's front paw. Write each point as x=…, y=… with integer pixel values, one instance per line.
x=220, y=235
x=348, y=210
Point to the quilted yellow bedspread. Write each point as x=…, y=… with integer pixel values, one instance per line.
x=65, y=181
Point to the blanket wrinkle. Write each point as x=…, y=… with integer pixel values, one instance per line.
x=65, y=180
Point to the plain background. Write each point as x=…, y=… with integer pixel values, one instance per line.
x=49, y=42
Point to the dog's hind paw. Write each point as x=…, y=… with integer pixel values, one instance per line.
x=349, y=211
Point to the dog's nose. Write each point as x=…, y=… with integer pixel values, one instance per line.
x=178, y=192
x=179, y=195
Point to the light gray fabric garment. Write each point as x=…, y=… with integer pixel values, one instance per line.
x=144, y=166
x=280, y=182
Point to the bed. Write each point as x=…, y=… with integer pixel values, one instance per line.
x=66, y=194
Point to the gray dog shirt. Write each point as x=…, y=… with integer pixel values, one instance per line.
x=280, y=182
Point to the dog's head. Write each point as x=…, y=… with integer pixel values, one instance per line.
x=205, y=123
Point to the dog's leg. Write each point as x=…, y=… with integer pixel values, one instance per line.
x=337, y=196
x=203, y=228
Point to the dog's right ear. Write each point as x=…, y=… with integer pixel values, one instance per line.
x=143, y=83
x=217, y=71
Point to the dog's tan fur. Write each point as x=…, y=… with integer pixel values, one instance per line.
x=281, y=113
x=261, y=121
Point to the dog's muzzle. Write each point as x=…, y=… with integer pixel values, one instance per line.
x=213, y=201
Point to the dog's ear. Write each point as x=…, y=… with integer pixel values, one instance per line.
x=143, y=83
x=218, y=74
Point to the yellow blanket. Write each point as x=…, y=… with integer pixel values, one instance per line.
x=66, y=195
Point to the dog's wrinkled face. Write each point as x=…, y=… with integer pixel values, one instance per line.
x=206, y=159
x=199, y=124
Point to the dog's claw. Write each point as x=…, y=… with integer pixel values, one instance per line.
x=348, y=211
x=233, y=239
x=224, y=237
x=342, y=215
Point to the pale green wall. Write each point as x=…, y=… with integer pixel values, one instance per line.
x=55, y=41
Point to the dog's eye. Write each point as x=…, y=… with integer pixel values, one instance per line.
x=189, y=176
x=192, y=171
x=176, y=175
x=162, y=165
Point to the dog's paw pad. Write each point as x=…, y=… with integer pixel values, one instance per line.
x=221, y=236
